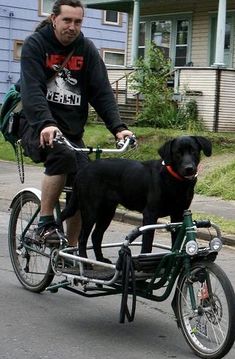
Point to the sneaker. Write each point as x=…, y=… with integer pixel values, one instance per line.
x=50, y=235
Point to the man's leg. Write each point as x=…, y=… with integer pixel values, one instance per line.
x=52, y=187
x=73, y=229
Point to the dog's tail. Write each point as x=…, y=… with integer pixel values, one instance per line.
x=71, y=207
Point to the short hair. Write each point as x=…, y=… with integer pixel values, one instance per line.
x=56, y=10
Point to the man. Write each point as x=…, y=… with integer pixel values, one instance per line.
x=55, y=100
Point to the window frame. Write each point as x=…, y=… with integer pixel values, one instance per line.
x=106, y=22
x=142, y=47
x=173, y=18
x=103, y=51
x=16, y=44
x=40, y=9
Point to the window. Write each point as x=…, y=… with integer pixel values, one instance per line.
x=171, y=34
x=161, y=35
x=142, y=30
x=112, y=17
x=181, y=43
x=17, y=49
x=113, y=57
x=45, y=7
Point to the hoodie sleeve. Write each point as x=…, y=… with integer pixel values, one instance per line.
x=33, y=84
x=100, y=92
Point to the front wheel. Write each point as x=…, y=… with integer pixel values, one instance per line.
x=205, y=309
x=30, y=260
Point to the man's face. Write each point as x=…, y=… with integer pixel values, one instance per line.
x=67, y=25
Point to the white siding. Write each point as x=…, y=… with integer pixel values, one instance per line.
x=227, y=101
x=205, y=81
x=202, y=80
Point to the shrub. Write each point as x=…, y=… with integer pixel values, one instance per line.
x=158, y=108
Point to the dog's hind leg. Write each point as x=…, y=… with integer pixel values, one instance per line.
x=149, y=217
x=104, y=218
x=87, y=225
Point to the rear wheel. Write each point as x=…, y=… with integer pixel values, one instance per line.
x=209, y=329
x=30, y=259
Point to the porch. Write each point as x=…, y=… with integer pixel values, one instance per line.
x=198, y=32
x=212, y=88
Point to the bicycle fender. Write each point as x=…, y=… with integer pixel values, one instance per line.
x=33, y=190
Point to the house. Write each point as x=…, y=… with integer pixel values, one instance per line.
x=199, y=38
x=107, y=29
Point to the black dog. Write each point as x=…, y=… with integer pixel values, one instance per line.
x=156, y=188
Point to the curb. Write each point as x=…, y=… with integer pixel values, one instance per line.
x=136, y=220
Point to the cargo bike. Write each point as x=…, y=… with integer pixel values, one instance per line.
x=203, y=297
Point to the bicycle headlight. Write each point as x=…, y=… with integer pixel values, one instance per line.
x=191, y=248
x=216, y=244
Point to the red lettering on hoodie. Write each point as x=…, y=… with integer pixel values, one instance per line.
x=74, y=63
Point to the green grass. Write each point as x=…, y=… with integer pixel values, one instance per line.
x=219, y=183
x=226, y=225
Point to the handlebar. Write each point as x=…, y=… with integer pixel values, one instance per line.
x=203, y=224
x=208, y=224
x=121, y=145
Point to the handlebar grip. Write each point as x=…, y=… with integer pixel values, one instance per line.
x=131, y=139
x=203, y=224
x=120, y=144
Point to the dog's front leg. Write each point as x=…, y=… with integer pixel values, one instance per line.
x=147, y=239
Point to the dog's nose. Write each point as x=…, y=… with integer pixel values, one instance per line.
x=189, y=170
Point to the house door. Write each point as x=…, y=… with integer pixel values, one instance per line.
x=227, y=44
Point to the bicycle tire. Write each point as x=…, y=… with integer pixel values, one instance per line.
x=31, y=262
x=210, y=332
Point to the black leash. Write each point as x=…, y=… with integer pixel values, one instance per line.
x=125, y=264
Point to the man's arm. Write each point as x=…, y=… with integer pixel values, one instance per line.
x=100, y=93
x=33, y=85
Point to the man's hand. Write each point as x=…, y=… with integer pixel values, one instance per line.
x=47, y=136
x=123, y=134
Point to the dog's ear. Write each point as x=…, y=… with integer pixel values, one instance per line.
x=165, y=152
x=205, y=144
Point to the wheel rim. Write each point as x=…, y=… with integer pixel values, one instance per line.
x=207, y=329
x=31, y=261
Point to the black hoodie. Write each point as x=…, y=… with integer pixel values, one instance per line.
x=63, y=100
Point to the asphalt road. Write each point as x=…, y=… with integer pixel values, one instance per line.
x=65, y=325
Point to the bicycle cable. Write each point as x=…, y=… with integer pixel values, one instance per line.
x=20, y=160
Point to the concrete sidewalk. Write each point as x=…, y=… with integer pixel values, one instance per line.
x=10, y=184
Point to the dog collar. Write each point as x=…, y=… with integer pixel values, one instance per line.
x=176, y=175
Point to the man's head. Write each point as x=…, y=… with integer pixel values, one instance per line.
x=66, y=17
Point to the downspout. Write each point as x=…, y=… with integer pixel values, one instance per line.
x=135, y=31
x=217, y=99
x=9, y=76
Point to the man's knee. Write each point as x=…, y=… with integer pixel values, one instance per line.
x=59, y=160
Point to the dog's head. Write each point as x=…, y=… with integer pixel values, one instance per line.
x=182, y=154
